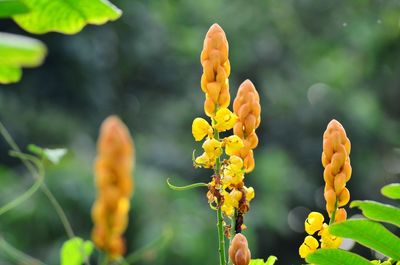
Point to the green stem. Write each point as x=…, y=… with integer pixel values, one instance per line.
x=30, y=166
x=17, y=255
x=187, y=187
x=28, y=193
x=332, y=220
x=220, y=219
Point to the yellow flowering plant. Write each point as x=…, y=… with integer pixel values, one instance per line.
x=230, y=157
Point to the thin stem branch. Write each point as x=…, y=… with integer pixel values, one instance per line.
x=332, y=220
x=17, y=255
x=30, y=166
x=220, y=218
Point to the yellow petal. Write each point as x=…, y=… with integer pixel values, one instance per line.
x=200, y=128
x=233, y=144
x=313, y=222
x=224, y=120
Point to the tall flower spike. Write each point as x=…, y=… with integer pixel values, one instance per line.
x=113, y=172
x=336, y=161
x=216, y=70
x=247, y=107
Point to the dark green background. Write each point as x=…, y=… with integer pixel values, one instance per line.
x=311, y=61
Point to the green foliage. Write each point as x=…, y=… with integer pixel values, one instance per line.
x=378, y=211
x=12, y=7
x=392, y=191
x=65, y=16
x=16, y=52
x=335, y=257
x=74, y=251
x=270, y=261
x=370, y=234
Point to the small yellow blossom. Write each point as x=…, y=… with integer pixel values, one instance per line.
x=328, y=240
x=213, y=148
x=233, y=144
x=313, y=222
x=231, y=201
x=201, y=128
x=309, y=246
x=204, y=161
x=224, y=120
x=233, y=173
x=249, y=193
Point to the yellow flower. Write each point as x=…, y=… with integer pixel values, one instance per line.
x=231, y=201
x=233, y=173
x=309, y=246
x=213, y=148
x=328, y=240
x=204, y=161
x=233, y=144
x=313, y=222
x=224, y=120
x=249, y=193
x=201, y=128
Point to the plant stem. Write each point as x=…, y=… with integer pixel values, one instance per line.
x=220, y=219
x=332, y=220
x=28, y=164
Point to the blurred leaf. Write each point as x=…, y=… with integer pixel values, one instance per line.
x=16, y=52
x=270, y=261
x=65, y=16
x=9, y=74
x=369, y=234
x=75, y=250
x=379, y=211
x=53, y=155
x=335, y=257
x=391, y=191
x=12, y=7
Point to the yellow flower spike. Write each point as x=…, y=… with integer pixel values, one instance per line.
x=224, y=120
x=216, y=70
x=309, y=246
x=233, y=144
x=213, y=148
x=313, y=222
x=201, y=128
x=113, y=170
x=328, y=240
x=247, y=107
x=336, y=161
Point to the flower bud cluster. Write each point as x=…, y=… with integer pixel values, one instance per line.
x=113, y=171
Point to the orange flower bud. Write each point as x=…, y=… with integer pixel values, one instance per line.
x=341, y=215
x=336, y=161
x=216, y=70
x=247, y=107
x=113, y=170
x=239, y=252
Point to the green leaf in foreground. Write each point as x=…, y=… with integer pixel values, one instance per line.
x=75, y=250
x=391, y=191
x=335, y=257
x=369, y=234
x=9, y=8
x=270, y=261
x=65, y=16
x=379, y=211
x=16, y=52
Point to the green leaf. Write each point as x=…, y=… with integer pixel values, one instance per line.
x=12, y=7
x=270, y=261
x=379, y=211
x=391, y=191
x=53, y=155
x=335, y=257
x=75, y=250
x=65, y=16
x=9, y=74
x=369, y=234
x=16, y=52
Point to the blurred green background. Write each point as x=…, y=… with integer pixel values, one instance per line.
x=311, y=61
